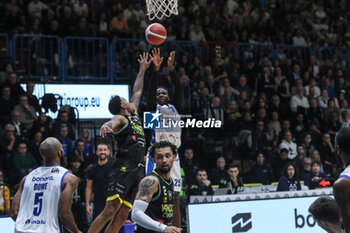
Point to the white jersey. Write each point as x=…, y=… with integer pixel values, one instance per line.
x=172, y=132
x=38, y=209
x=345, y=173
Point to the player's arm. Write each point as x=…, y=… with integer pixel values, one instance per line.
x=179, y=92
x=88, y=192
x=16, y=201
x=116, y=123
x=341, y=190
x=148, y=186
x=65, y=214
x=138, y=85
x=153, y=82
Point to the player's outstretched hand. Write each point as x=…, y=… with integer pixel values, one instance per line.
x=172, y=229
x=144, y=61
x=89, y=210
x=105, y=130
x=171, y=60
x=156, y=59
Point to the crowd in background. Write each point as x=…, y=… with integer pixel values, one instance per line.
x=279, y=115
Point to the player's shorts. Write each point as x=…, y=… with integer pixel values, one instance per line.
x=123, y=181
x=175, y=172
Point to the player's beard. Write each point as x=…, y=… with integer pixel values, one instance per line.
x=164, y=170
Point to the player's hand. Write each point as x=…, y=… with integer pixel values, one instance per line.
x=171, y=60
x=105, y=130
x=144, y=61
x=172, y=229
x=89, y=210
x=156, y=59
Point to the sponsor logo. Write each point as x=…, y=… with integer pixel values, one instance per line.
x=55, y=170
x=38, y=179
x=240, y=222
x=153, y=120
x=33, y=221
x=301, y=221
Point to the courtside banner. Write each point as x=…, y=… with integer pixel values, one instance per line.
x=287, y=215
x=90, y=100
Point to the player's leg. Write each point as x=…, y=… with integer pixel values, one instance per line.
x=175, y=174
x=119, y=219
x=110, y=210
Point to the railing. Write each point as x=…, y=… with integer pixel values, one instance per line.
x=37, y=56
x=94, y=59
x=86, y=58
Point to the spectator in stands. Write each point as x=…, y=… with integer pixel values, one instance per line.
x=233, y=182
x=63, y=118
x=42, y=124
x=14, y=21
x=26, y=111
x=345, y=118
x=4, y=196
x=66, y=18
x=285, y=95
x=118, y=25
x=308, y=145
x=288, y=144
x=202, y=186
x=96, y=182
x=274, y=123
x=261, y=172
x=314, y=113
x=23, y=161
x=82, y=28
x=35, y=9
x=333, y=125
x=327, y=153
x=219, y=172
x=16, y=89
x=88, y=143
x=332, y=106
x=5, y=73
x=79, y=153
x=33, y=147
x=32, y=99
x=289, y=180
x=215, y=111
x=80, y=7
x=66, y=142
x=189, y=166
x=279, y=163
x=313, y=178
x=7, y=144
x=197, y=34
x=323, y=99
x=299, y=102
x=20, y=129
x=7, y=104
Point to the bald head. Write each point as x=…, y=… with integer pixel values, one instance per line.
x=51, y=150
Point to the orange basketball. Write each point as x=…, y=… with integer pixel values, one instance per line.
x=155, y=34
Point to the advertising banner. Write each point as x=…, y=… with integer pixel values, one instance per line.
x=287, y=215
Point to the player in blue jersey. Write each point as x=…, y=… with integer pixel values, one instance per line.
x=44, y=197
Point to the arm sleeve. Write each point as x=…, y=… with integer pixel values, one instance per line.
x=138, y=215
x=152, y=91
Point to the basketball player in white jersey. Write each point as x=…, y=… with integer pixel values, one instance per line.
x=158, y=99
x=43, y=201
x=341, y=187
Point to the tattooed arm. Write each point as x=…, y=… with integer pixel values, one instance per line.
x=148, y=186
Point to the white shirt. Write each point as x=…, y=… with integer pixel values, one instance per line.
x=298, y=101
x=291, y=147
x=38, y=209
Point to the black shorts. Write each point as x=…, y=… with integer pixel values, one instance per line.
x=124, y=178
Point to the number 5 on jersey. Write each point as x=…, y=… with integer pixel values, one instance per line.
x=38, y=203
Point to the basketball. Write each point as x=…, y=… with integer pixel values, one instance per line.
x=155, y=34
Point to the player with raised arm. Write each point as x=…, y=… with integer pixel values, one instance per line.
x=158, y=99
x=341, y=187
x=127, y=170
x=153, y=206
x=44, y=197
